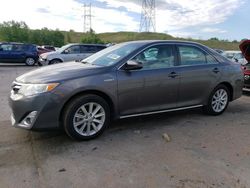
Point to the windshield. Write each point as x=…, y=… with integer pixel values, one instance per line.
x=112, y=55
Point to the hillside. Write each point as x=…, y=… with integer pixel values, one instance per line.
x=118, y=37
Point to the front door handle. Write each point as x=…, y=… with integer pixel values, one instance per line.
x=173, y=75
x=216, y=70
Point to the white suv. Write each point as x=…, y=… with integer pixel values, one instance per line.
x=69, y=52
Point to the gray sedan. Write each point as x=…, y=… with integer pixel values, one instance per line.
x=128, y=79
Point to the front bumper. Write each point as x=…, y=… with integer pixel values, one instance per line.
x=42, y=61
x=35, y=112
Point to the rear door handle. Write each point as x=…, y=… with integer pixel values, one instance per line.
x=173, y=75
x=216, y=70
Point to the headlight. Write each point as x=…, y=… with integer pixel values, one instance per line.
x=32, y=89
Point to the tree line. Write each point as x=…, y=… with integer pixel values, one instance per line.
x=13, y=31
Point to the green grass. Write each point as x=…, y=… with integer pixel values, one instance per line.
x=117, y=37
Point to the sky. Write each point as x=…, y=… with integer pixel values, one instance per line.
x=200, y=19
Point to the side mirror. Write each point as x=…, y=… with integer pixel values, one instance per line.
x=66, y=51
x=1, y=49
x=132, y=65
x=236, y=60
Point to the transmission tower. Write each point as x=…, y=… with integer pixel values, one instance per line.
x=148, y=16
x=87, y=18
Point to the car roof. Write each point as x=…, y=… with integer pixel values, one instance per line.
x=232, y=51
x=165, y=41
x=16, y=43
x=86, y=44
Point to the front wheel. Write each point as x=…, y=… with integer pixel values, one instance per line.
x=55, y=61
x=218, y=100
x=86, y=117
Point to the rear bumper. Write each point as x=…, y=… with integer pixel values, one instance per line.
x=246, y=82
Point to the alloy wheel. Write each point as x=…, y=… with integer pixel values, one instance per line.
x=30, y=61
x=89, y=119
x=219, y=100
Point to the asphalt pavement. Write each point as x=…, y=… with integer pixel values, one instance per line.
x=196, y=150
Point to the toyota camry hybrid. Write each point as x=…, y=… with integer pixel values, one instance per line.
x=126, y=80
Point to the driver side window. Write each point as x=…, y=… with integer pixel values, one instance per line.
x=156, y=57
x=73, y=50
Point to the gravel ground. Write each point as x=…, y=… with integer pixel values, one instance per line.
x=198, y=150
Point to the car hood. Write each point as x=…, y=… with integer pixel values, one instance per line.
x=59, y=72
x=245, y=49
x=45, y=55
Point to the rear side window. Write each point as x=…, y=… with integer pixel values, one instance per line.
x=18, y=47
x=88, y=49
x=98, y=48
x=190, y=55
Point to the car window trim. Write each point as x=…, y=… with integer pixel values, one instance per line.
x=152, y=45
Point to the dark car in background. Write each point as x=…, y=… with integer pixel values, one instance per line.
x=18, y=53
x=246, y=70
x=49, y=47
x=245, y=49
x=125, y=80
x=41, y=50
x=70, y=52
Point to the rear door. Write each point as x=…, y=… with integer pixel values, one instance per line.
x=152, y=88
x=17, y=54
x=87, y=50
x=199, y=73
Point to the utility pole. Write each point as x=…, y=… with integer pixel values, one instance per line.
x=148, y=16
x=87, y=18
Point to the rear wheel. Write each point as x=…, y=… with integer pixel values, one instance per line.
x=86, y=117
x=218, y=100
x=30, y=61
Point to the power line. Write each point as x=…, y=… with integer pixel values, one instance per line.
x=147, y=23
x=87, y=18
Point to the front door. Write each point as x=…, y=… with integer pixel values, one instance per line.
x=72, y=53
x=5, y=52
x=152, y=88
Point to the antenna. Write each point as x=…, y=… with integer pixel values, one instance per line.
x=148, y=16
x=87, y=18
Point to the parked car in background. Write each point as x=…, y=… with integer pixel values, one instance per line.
x=235, y=56
x=49, y=47
x=245, y=49
x=70, y=52
x=125, y=80
x=219, y=51
x=41, y=50
x=11, y=52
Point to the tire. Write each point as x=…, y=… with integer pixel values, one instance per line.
x=218, y=101
x=55, y=61
x=30, y=61
x=82, y=123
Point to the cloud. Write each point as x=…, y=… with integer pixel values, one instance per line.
x=42, y=10
x=173, y=16
x=213, y=30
